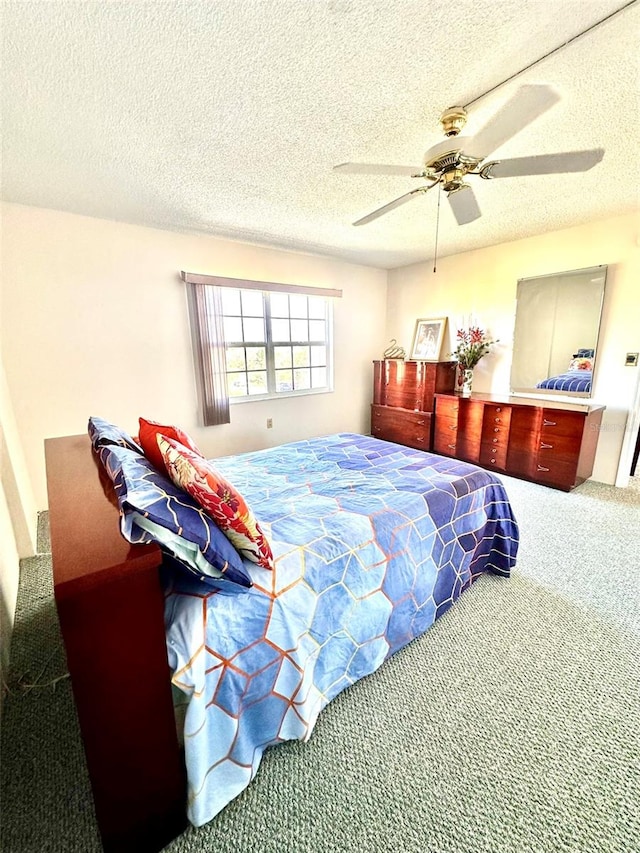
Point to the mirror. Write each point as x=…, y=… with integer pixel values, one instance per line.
x=556, y=332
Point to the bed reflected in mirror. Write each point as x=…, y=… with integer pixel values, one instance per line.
x=555, y=344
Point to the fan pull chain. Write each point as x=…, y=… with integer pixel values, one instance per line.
x=435, y=251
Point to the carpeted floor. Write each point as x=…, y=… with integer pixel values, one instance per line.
x=512, y=726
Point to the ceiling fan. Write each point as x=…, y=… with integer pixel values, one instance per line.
x=449, y=162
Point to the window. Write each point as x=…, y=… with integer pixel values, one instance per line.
x=258, y=340
x=275, y=343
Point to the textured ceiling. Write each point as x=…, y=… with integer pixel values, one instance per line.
x=226, y=117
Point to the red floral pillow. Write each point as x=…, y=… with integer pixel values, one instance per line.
x=581, y=364
x=218, y=498
x=148, y=438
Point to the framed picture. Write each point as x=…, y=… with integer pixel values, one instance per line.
x=427, y=340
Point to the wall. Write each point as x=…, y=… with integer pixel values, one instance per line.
x=16, y=483
x=17, y=519
x=9, y=572
x=483, y=283
x=96, y=323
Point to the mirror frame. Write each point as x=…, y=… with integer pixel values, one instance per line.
x=588, y=273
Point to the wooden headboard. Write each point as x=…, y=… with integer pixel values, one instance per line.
x=111, y=609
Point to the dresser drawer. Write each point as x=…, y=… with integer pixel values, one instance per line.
x=555, y=422
x=562, y=448
x=447, y=407
x=417, y=436
x=447, y=426
x=416, y=419
x=444, y=441
x=497, y=414
x=493, y=456
x=496, y=434
x=555, y=473
x=401, y=426
x=497, y=441
x=415, y=429
x=495, y=424
x=470, y=420
x=382, y=417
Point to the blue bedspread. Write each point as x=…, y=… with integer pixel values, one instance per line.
x=373, y=542
x=572, y=380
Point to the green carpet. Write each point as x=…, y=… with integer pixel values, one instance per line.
x=512, y=726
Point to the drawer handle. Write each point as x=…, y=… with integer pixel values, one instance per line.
x=498, y=409
x=498, y=421
x=544, y=446
x=494, y=440
x=542, y=468
x=419, y=439
x=453, y=427
x=452, y=446
x=545, y=422
x=420, y=423
x=496, y=429
x=493, y=461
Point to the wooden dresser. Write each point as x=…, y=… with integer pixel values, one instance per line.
x=549, y=443
x=403, y=399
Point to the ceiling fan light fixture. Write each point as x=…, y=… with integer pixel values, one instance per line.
x=455, y=186
x=453, y=180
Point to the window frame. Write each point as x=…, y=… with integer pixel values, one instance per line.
x=269, y=346
x=209, y=347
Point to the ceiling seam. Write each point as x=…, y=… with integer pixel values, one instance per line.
x=551, y=52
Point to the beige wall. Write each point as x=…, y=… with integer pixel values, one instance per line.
x=16, y=482
x=95, y=323
x=17, y=518
x=9, y=574
x=483, y=283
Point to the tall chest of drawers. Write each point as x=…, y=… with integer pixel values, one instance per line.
x=552, y=444
x=403, y=399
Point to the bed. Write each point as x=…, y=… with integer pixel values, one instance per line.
x=573, y=380
x=577, y=379
x=372, y=542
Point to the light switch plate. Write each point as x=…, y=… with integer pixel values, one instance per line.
x=631, y=359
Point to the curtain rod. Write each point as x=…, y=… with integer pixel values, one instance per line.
x=248, y=284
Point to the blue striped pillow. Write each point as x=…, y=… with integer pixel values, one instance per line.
x=153, y=509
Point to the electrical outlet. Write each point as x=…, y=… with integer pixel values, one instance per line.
x=631, y=359
x=269, y=423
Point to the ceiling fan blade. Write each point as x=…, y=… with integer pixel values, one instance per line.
x=391, y=205
x=527, y=103
x=544, y=164
x=464, y=205
x=378, y=169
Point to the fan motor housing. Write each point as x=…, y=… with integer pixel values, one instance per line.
x=446, y=161
x=453, y=120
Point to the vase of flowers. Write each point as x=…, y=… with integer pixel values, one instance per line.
x=471, y=345
x=465, y=381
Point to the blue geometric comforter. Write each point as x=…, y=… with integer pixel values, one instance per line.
x=373, y=541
